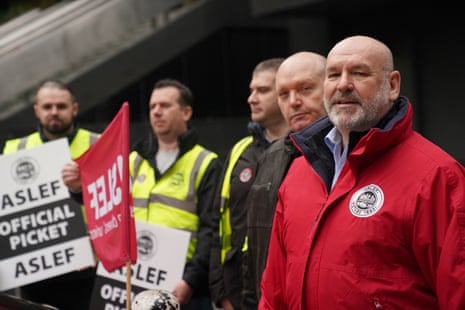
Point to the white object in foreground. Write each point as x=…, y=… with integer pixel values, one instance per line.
x=155, y=299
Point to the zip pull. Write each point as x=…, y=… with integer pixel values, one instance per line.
x=377, y=304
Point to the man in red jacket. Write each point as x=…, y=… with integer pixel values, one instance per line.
x=299, y=83
x=372, y=216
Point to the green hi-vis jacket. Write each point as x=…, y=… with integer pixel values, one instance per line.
x=181, y=198
x=170, y=201
x=79, y=142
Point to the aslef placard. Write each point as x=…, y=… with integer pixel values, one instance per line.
x=160, y=264
x=42, y=230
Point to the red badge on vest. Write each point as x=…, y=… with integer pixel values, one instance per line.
x=245, y=175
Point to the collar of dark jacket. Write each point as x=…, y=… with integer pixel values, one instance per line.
x=148, y=147
x=70, y=137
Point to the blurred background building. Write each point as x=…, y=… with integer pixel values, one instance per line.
x=111, y=51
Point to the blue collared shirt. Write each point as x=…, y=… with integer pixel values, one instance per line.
x=334, y=142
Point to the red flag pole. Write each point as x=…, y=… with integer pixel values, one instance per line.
x=127, y=207
x=128, y=284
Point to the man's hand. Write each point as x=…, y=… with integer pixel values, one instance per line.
x=183, y=292
x=71, y=176
x=226, y=304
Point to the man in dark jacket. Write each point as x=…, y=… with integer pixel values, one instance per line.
x=229, y=213
x=299, y=83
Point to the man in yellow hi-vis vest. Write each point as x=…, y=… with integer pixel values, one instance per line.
x=229, y=213
x=56, y=109
x=173, y=184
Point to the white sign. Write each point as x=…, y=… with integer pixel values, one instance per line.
x=42, y=231
x=160, y=263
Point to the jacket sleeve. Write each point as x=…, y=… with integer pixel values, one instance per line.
x=196, y=271
x=441, y=219
x=78, y=197
x=216, y=283
x=273, y=283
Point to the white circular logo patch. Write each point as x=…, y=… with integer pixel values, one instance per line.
x=25, y=170
x=366, y=201
x=245, y=175
x=147, y=244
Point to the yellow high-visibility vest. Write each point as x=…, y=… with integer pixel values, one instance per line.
x=225, y=219
x=170, y=201
x=81, y=142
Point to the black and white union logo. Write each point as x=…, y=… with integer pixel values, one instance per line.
x=367, y=201
x=147, y=245
x=25, y=170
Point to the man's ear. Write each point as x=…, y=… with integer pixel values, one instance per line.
x=75, y=108
x=394, y=82
x=187, y=110
x=36, y=107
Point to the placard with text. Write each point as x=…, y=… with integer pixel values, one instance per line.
x=160, y=264
x=42, y=230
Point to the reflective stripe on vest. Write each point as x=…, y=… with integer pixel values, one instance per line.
x=225, y=219
x=81, y=142
x=188, y=204
x=170, y=201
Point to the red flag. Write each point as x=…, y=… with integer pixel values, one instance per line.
x=104, y=170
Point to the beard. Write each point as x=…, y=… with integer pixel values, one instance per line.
x=57, y=129
x=362, y=116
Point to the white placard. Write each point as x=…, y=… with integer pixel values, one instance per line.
x=161, y=256
x=42, y=230
x=32, y=177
